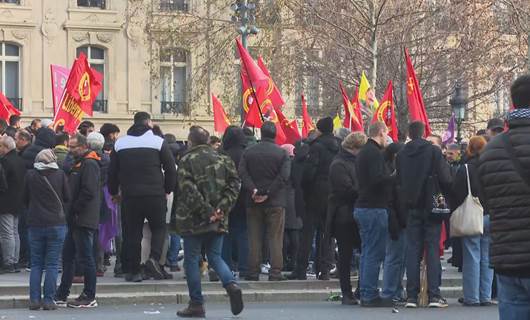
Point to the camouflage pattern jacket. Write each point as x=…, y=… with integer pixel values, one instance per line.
x=207, y=181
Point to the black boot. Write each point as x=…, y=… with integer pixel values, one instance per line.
x=193, y=310
x=236, y=298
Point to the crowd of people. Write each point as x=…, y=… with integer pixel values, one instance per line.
x=327, y=205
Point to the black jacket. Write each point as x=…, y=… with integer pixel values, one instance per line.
x=44, y=209
x=136, y=165
x=301, y=153
x=343, y=194
x=375, y=183
x=85, y=185
x=508, y=201
x=234, y=144
x=265, y=167
x=315, y=181
x=45, y=139
x=415, y=164
x=459, y=187
x=11, y=200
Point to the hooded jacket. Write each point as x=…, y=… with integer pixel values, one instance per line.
x=415, y=164
x=85, y=186
x=315, y=181
x=45, y=139
x=234, y=144
x=508, y=200
x=136, y=165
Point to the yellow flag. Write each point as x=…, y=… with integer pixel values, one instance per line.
x=337, y=123
x=366, y=93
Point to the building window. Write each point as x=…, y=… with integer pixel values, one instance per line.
x=10, y=73
x=174, y=5
x=96, y=58
x=91, y=3
x=173, y=80
x=10, y=1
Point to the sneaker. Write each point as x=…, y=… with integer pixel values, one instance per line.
x=152, y=268
x=236, y=298
x=324, y=276
x=11, y=268
x=489, y=303
x=296, y=276
x=378, y=302
x=49, y=306
x=61, y=303
x=349, y=301
x=83, y=302
x=265, y=267
x=193, y=310
x=33, y=306
x=411, y=303
x=438, y=302
x=167, y=276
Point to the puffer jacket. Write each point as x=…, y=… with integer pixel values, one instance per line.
x=508, y=201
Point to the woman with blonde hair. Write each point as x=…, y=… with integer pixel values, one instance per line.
x=340, y=223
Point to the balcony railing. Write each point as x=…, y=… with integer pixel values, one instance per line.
x=10, y=1
x=174, y=6
x=92, y=3
x=100, y=106
x=17, y=102
x=175, y=107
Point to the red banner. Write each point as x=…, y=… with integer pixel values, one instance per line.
x=414, y=98
x=386, y=113
x=82, y=88
x=307, y=122
x=6, y=108
x=352, y=118
x=272, y=90
x=220, y=120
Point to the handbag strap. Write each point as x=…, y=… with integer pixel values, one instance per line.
x=54, y=192
x=468, y=182
x=523, y=173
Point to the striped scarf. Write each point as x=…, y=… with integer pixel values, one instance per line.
x=521, y=113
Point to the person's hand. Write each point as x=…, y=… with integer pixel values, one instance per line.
x=217, y=215
x=258, y=199
x=116, y=199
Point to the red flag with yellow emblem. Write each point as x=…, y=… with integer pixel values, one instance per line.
x=272, y=90
x=80, y=92
x=220, y=120
x=6, y=108
x=289, y=128
x=306, y=119
x=386, y=112
x=352, y=115
x=415, y=100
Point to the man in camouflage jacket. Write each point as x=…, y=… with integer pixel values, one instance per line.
x=208, y=187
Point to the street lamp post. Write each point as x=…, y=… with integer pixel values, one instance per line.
x=458, y=103
x=245, y=17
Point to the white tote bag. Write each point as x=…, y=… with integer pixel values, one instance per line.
x=468, y=218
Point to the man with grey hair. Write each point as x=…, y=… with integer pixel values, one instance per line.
x=11, y=200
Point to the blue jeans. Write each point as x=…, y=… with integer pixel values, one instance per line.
x=394, y=269
x=213, y=243
x=477, y=276
x=173, y=250
x=79, y=244
x=423, y=238
x=514, y=297
x=46, y=245
x=236, y=240
x=373, y=227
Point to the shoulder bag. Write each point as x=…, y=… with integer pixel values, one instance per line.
x=468, y=218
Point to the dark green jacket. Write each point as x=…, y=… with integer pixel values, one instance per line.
x=207, y=181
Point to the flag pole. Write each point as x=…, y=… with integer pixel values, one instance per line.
x=253, y=90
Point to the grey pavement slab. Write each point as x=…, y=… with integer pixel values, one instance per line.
x=258, y=311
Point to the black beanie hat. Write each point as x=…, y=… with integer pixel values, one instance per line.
x=325, y=125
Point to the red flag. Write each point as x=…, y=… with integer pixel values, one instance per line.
x=220, y=120
x=307, y=122
x=415, y=101
x=6, y=108
x=251, y=73
x=82, y=88
x=253, y=117
x=289, y=128
x=386, y=113
x=352, y=120
x=272, y=90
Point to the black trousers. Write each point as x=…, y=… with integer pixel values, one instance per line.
x=314, y=223
x=135, y=210
x=291, y=243
x=345, y=242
